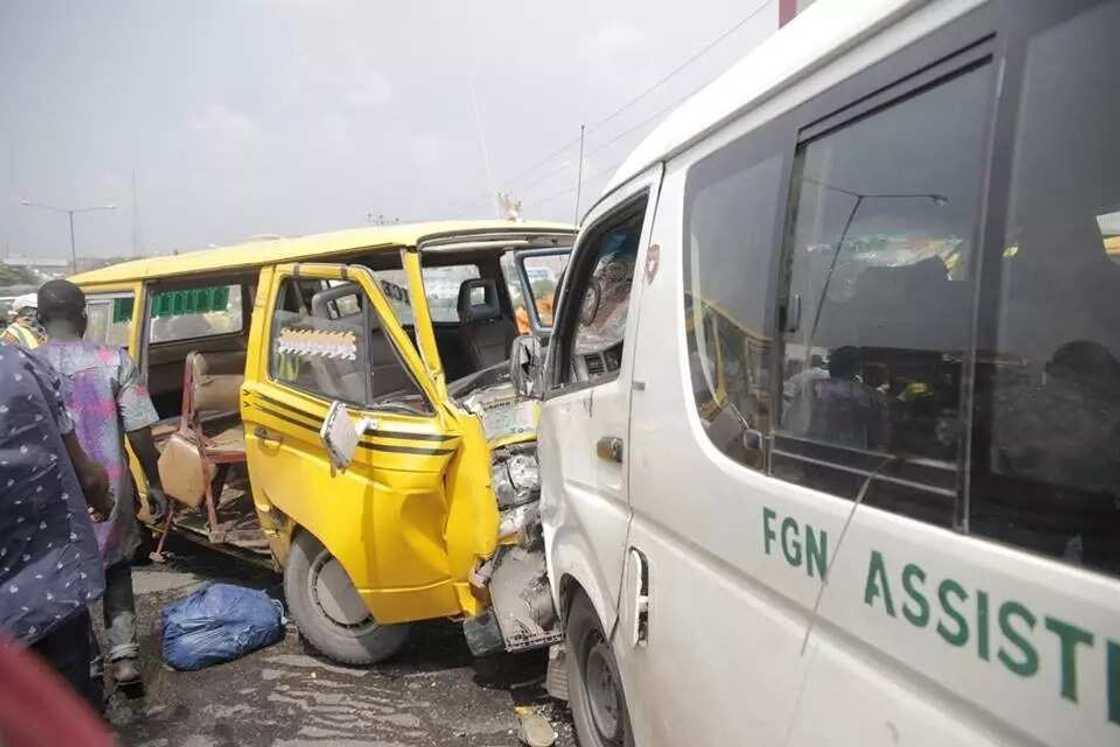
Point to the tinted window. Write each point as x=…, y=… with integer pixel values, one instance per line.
x=879, y=301
x=731, y=213
x=1047, y=453
x=196, y=312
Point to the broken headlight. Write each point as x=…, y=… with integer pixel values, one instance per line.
x=503, y=487
x=524, y=472
x=515, y=477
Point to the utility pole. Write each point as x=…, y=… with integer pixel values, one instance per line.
x=135, y=219
x=70, y=215
x=579, y=173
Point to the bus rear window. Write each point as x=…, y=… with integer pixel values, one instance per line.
x=196, y=312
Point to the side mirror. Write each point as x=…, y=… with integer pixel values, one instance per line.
x=526, y=359
x=340, y=436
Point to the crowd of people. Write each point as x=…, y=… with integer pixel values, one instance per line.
x=68, y=526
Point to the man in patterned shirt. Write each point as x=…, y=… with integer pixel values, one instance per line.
x=49, y=566
x=106, y=400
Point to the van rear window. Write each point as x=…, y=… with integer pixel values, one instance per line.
x=195, y=312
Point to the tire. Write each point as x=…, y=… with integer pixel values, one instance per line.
x=594, y=685
x=328, y=611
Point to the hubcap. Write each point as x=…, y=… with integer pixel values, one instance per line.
x=335, y=596
x=603, y=693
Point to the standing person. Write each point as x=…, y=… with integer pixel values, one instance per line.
x=103, y=393
x=24, y=329
x=50, y=570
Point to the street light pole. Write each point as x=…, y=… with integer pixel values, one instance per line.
x=73, y=244
x=70, y=216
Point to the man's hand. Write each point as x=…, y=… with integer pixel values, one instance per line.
x=157, y=503
x=95, y=484
x=92, y=477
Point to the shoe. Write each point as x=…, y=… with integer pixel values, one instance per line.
x=125, y=672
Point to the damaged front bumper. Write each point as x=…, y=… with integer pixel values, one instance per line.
x=521, y=614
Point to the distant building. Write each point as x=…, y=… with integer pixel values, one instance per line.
x=56, y=264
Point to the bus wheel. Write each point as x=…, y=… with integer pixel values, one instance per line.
x=598, y=703
x=328, y=611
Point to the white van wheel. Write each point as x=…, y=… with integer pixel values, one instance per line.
x=328, y=610
x=595, y=687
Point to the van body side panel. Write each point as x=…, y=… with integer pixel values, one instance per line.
x=727, y=604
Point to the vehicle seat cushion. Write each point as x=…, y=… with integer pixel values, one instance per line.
x=486, y=334
x=182, y=472
x=230, y=440
x=216, y=380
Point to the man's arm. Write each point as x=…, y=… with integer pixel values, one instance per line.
x=144, y=447
x=91, y=476
x=138, y=416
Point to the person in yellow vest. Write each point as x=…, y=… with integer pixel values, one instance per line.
x=25, y=330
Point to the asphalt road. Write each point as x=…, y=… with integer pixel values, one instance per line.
x=432, y=693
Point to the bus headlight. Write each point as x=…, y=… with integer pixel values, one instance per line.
x=524, y=472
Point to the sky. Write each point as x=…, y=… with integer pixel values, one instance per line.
x=209, y=122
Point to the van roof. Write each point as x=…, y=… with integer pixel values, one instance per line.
x=818, y=35
x=257, y=253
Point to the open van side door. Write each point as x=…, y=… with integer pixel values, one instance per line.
x=325, y=333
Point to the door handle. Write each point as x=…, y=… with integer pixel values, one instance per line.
x=609, y=448
x=269, y=438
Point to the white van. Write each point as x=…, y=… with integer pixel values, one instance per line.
x=830, y=437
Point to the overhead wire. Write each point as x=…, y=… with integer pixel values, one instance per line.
x=630, y=102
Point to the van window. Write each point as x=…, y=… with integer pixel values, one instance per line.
x=1047, y=421
x=441, y=284
x=325, y=343
x=731, y=210
x=603, y=286
x=544, y=273
x=879, y=301
x=109, y=318
x=195, y=312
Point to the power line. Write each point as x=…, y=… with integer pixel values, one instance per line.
x=543, y=161
x=691, y=59
x=625, y=106
x=618, y=136
x=591, y=175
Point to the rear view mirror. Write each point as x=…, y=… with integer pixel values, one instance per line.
x=340, y=436
x=526, y=358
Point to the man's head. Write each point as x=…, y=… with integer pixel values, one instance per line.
x=845, y=363
x=62, y=308
x=25, y=307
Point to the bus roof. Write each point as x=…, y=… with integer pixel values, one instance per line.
x=795, y=54
x=257, y=253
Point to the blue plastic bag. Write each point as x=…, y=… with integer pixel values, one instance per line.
x=217, y=623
